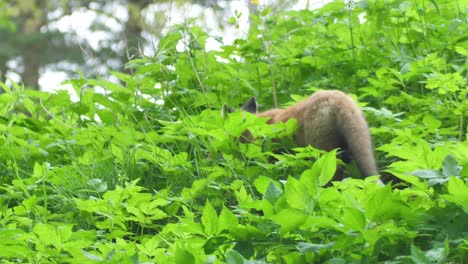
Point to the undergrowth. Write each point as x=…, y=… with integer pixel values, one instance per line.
x=150, y=171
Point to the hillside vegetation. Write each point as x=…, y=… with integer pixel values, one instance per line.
x=151, y=171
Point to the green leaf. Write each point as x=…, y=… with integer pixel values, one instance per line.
x=297, y=195
x=311, y=180
x=418, y=256
x=91, y=256
x=354, y=219
x=40, y=170
x=309, y=247
x=227, y=220
x=272, y=193
x=462, y=50
x=106, y=116
x=458, y=192
x=434, y=2
x=183, y=256
x=450, y=166
x=98, y=185
x=427, y=174
x=233, y=257
x=438, y=254
x=261, y=184
x=16, y=251
x=30, y=106
x=125, y=78
x=290, y=219
x=431, y=122
x=53, y=235
x=379, y=203
x=209, y=219
x=327, y=165
x=464, y=171
x=213, y=244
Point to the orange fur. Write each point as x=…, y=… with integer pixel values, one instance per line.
x=328, y=120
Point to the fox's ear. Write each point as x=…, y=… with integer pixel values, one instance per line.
x=251, y=105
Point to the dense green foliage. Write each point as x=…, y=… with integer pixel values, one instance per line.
x=150, y=171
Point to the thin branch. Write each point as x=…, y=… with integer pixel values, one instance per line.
x=272, y=76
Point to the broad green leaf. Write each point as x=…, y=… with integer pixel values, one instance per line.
x=272, y=193
x=290, y=219
x=327, y=165
x=354, y=219
x=227, y=220
x=53, y=235
x=209, y=219
x=30, y=106
x=5, y=87
x=418, y=256
x=98, y=185
x=464, y=171
x=291, y=127
x=431, y=122
x=40, y=170
x=310, y=179
x=379, y=203
x=437, y=255
x=270, y=209
x=124, y=77
x=261, y=184
x=233, y=257
x=458, y=192
x=15, y=251
x=450, y=166
x=245, y=248
x=462, y=50
x=297, y=195
x=214, y=243
x=309, y=247
x=118, y=153
x=183, y=256
x=106, y=116
x=434, y=2
x=92, y=256
x=427, y=174
x=149, y=247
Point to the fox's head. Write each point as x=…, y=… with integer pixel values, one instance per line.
x=250, y=106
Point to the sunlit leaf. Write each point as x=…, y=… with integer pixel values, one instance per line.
x=209, y=219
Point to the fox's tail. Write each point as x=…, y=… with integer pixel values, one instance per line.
x=355, y=131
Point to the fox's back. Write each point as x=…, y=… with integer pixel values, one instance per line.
x=317, y=118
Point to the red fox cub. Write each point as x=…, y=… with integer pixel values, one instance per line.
x=328, y=120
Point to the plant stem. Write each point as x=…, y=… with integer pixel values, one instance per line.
x=272, y=76
x=408, y=34
x=351, y=33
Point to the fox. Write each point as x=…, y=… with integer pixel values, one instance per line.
x=327, y=120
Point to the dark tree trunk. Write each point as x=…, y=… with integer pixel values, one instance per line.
x=134, y=27
x=31, y=60
x=3, y=70
x=30, y=26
